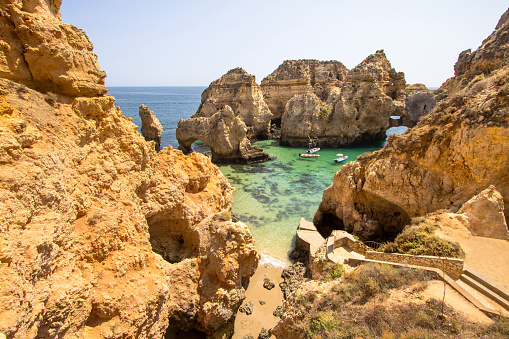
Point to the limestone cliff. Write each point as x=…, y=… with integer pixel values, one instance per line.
x=100, y=235
x=238, y=90
x=297, y=77
x=451, y=155
x=151, y=128
x=41, y=51
x=355, y=109
x=226, y=135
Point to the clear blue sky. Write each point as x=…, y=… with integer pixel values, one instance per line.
x=186, y=43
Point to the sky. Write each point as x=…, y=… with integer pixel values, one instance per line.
x=194, y=42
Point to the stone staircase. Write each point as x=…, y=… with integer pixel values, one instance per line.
x=497, y=295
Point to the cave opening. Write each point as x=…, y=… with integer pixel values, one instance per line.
x=168, y=239
x=276, y=122
x=326, y=223
x=174, y=332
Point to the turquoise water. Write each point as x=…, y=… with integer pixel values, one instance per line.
x=271, y=197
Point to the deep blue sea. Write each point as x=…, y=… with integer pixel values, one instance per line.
x=168, y=103
x=271, y=197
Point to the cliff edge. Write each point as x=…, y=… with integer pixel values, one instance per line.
x=451, y=155
x=101, y=237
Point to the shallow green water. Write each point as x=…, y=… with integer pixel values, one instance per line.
x=271, y=197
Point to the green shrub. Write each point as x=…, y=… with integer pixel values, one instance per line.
x=323, y=322
x=372, y=318
x=324, y=110
x=420, y=239
x=331, y=271
x=477, y=78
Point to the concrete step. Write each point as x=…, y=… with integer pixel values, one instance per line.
x=481, y=288
x=500, y=290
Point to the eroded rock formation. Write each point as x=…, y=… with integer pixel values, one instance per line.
x=41, y=51
x=484, y=214
x=151, y=128
x=355, y=107
x=238, y=90
x=419, y=102
x=451, y=155
x=101, y=237
x=297, y=77
x=226, y=135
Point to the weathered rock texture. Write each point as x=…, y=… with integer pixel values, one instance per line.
x=238, y=90
x=100, y=236
x=450, y=156
x=297, y=77
x=419, y=102
x=226, y=135
x=484, y=214
x=342, y=108
x=41, y=51
x=151, y=128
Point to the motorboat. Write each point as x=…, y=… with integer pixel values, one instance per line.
x=308, y=155
x=313, y=150
x=341, y=159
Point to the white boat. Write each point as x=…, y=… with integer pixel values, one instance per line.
x=340, y=159
x=308, y=155
x=313, y=150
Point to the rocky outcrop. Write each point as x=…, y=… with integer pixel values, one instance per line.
x=297, y=77
x=151, y=128
x=355, y=111
x=39, y=50
x=226, y=135
x=484, y=214
x=238, y=90
x=450, y=156
x=102, y=237
x=492, y=55
x=419, y=101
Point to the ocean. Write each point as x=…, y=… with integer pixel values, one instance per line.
x=271, y=197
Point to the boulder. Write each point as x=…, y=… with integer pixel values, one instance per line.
x=151, y=128
x=238, y=90
x=485, y=214
x=226, y=135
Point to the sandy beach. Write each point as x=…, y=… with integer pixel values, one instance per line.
x=262, y=316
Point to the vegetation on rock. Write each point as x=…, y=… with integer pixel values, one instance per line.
x=420, y=239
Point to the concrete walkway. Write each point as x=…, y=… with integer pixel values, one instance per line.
x=308, y=237
x=340, y=254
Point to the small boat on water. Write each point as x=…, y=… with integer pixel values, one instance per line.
x=340, y=159
x=313, y=150
x=339, y=154
x=308, y=155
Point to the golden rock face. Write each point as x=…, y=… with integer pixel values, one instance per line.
x=100, y=236
x=454, y=153
x=39, y=50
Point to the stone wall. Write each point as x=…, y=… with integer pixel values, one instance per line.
x=451, y=266
x=354, y=245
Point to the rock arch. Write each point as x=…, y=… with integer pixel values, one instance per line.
x=226, y=135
